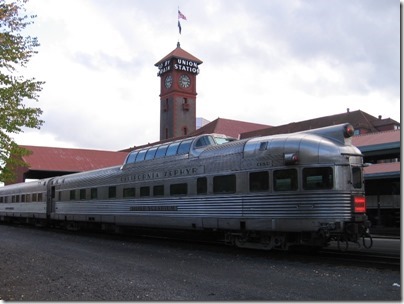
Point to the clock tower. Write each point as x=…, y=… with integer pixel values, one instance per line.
x=177, y=72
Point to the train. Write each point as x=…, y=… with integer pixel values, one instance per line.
x=270, y=192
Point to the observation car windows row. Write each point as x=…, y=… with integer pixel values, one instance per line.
x=175, y=148
x=317, y=178
x=259, y=181
x=224, y=184
x=285, y=180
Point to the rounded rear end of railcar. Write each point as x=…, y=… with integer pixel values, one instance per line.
x=316, y=192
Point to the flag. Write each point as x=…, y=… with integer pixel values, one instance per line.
x=181, y=15
x=179, y=26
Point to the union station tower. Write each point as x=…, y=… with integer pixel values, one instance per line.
x=177, y=72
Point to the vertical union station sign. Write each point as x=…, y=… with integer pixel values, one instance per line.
x=178, y=64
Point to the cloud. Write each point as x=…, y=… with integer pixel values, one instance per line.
x=270, y=62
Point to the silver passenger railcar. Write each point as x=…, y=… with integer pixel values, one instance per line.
x=265, y=192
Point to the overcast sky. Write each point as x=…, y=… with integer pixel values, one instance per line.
x=264, y=61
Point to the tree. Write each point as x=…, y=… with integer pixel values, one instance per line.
x=15, y=91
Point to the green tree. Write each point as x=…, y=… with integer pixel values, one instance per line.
x=16, y=49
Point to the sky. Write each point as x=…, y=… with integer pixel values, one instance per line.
x=271, y=62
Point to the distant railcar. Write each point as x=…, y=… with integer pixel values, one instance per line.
x=302, y=188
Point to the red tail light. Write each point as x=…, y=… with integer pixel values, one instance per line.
x=359, y=204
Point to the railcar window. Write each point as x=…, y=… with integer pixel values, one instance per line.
x=93, y=193
x=202, y=185
x=144, y=191
x=72, y=194
x=158, y=190
x=6, y=199
x=222, y=140
x=112, y=192
x=317, y=178
x=357, y=177
x=82, y=194
x=129, y=192
x=150, y=153
x=224, y=184
x=179, y=189
x=34, y=196
x=172, y=149
x=28, y=197
x=131, y=157
x=1, y=199
x=204, y=141
x=259, y=181
x=285, y=180
x=40, y=197
x=161, y=151
x=184, y=147
x=141, y=155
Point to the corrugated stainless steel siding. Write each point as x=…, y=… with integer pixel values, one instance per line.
x=324, y=205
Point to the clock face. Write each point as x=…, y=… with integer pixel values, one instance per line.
x=184, y=81
x=168, y=81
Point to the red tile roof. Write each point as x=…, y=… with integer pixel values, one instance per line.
x=71, y=160
x=359, y=119
x=229, y=127
x=383, y=168
x=377, y=138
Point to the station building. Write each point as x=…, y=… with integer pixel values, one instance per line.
x=378, y=138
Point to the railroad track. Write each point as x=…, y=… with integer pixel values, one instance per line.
x=363, y=258
x=330, y=255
